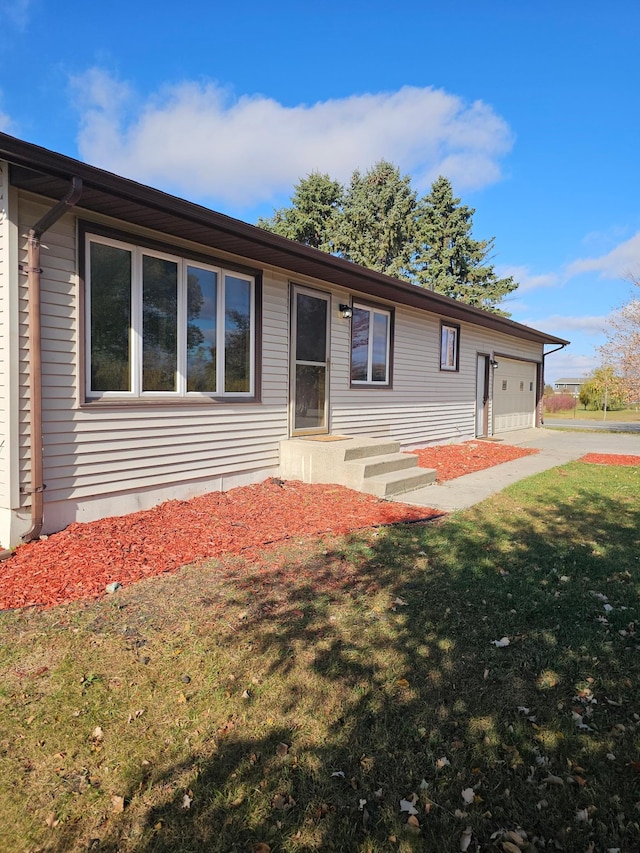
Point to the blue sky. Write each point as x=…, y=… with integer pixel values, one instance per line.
x=531, y=109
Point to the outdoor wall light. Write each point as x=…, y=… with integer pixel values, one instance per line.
x=493, y=363
x=346, y=311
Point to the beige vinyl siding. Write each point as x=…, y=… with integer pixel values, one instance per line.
x=425, y=404
x=103, y=450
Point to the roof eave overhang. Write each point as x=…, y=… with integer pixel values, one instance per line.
x=44, y=172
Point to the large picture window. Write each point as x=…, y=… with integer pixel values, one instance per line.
x=449, y=347
x=370, y=345
x=162, y=324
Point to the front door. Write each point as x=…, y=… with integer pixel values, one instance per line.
x=309, y=362
x=482, y=395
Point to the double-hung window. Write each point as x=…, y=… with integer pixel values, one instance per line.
x=159, y=323
x=370, y=345
x=449, y=347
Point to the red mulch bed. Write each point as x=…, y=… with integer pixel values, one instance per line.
x=453, y=460
x=610, y=459
x=81, y=560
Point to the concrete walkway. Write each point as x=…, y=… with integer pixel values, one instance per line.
x=556, y=448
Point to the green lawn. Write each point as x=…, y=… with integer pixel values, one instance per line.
x=289, y=703
x=624, y=415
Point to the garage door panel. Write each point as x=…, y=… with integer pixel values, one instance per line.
x=514, y=395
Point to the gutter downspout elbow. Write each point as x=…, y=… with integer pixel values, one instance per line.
x=34, y=273
x=544, y=355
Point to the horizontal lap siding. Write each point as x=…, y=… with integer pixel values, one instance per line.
x=103, y=450
x=425, y=404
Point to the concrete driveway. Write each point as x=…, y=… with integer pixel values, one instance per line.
x=556, y=448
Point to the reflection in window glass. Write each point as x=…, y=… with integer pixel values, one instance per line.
x=310, y=396
x=359, y=344
x=110, y=318
x=449, y=348
x=370, y=342
x=159, y=324
x=237, y=330
x=379, y=348
x=202, y=296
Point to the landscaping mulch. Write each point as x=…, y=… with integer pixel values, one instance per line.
x=611, y=459
x=82, y=560
x=453, y=460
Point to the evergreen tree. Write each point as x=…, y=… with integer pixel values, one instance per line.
x=315, y=204
x=379, y=223
x=448, y=259
x=377, y=226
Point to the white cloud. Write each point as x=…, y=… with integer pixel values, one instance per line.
x=200, y=140
x=620, y=262
x=527, y=280
x=564, y=363
x=16, y=12
x=588, y=325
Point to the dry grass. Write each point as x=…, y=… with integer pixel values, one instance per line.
x=291, y=700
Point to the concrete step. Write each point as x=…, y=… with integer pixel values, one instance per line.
x=360, y=448
x=398, y=482
x=371, y=466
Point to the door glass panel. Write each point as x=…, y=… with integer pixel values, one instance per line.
x=159, y=324
x=311, y=328
x=310, y=397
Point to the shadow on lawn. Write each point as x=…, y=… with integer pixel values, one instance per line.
x=528, y=575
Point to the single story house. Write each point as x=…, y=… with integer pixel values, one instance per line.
x=153, y=349
x=569, y=386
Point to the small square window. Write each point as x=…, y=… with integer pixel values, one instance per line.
x=531, y=386
x=504, y=384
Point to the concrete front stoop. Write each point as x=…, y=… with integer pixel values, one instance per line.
x=372, y=465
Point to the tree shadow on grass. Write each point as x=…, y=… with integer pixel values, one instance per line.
x=387, y=683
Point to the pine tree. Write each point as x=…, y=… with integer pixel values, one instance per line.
x=377, y=226
x=310, y=219
x=448, y=259
x=379, y=223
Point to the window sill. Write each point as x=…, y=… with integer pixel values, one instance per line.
x=155, y=402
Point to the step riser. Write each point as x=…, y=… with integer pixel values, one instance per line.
x=370, y=465
x=382, y=489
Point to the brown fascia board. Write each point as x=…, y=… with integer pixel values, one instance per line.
x=184, y=218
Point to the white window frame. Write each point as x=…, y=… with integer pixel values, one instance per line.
x=448, y=330
x=136, y=328
x=376, y=383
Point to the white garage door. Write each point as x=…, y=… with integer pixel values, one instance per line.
x=514, y=394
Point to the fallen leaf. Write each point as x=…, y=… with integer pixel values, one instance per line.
x=186, y=801
x=339, y=773
x=413, y=821
x=261, y=847
x=468, y=795
x=117, y=804
x=442, y=762
x=282, y=749
x=582, y=815
x=402, y=682
x=465, y=839
x=408, y=806
x=500, y=644
x=401, y=602
x=509, y=847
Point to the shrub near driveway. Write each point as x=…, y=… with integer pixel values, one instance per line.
x=480, y=671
